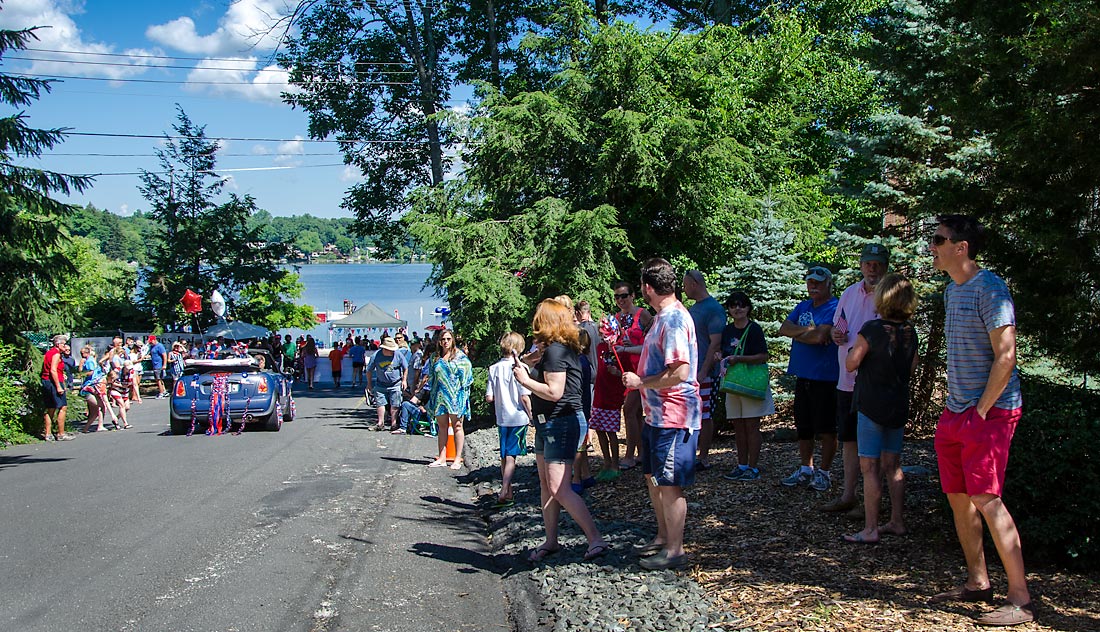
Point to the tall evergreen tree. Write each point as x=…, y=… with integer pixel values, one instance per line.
x=32, y=261
x=203, y=245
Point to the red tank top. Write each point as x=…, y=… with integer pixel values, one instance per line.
x=53, y=352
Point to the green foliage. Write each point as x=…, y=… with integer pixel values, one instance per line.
x=31, y=235
x=480, y=410
x=308, y=242
x=991, y=99
x=120, y=238
x=266, y=303
x=495, y=272
x=15, y=398
x=1055, y=447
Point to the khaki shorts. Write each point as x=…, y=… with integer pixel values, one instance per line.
x=741, y=407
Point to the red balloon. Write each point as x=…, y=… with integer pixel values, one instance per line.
x=192, y=303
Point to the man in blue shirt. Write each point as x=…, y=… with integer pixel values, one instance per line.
x=813, y=362
x=159, y=357
x=358, y=354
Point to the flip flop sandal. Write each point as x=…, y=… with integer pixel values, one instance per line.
x=596, y=551
x=437, y=464
x=857, y=538
x=503, y=504
x=541, y=553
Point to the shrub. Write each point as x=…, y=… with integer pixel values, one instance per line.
x=1053, y=471
x=19, y=397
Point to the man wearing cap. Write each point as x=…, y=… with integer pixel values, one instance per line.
x=387, y=376
x=53, y=390
x=159, y=357
x=813, y=362
x=856, y=307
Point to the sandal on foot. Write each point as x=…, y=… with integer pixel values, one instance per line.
x=457, y=465
x=596, y=551
x=962, y=593
x=857, y=538
x=504, y=503
x=541, y=553
x=438, y=464
x=1008, y=614
x=662, y=561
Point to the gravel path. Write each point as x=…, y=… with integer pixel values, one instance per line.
x=564, y=592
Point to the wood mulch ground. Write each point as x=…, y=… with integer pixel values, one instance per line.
x=771, y=561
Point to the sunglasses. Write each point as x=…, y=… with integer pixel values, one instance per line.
x=619, y=297
x=737, y=306
x=939, y=240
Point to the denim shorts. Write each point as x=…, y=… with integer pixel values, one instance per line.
x=874, y=439
x=382, y=396
x=557, y=440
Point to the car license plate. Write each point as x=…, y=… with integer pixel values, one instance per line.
x=234, y=387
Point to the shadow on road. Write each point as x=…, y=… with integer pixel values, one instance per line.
x=473, y=561
x=25, y=459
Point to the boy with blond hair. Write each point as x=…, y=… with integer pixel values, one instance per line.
x=512, y=403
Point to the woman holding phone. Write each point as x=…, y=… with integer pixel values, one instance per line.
x=559, y=425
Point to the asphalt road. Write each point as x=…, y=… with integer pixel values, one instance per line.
x=321, y=526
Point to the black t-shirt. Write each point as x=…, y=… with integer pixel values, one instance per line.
x=755, y=344
x=559, y=358
x=882, y=384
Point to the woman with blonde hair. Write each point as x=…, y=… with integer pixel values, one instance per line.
x=559, y=425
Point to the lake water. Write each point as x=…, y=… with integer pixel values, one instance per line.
x=389, y=286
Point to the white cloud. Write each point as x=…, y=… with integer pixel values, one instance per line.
x=60, y=32
x=351, y=174
x=238, y=77
x=123, y=209
x=288, y=152
x=247, y=25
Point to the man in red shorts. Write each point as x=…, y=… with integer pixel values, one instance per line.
x=983, y=407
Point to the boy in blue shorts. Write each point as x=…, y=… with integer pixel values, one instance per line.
x=512, y=403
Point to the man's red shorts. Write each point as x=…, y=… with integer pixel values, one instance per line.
x=972, y=452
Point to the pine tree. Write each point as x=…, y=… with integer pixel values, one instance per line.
x=32, y=263
x=767, y=270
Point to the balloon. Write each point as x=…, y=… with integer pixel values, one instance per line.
x=217, y=303
x=192, y=303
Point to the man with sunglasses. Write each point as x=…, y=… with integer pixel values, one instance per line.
x=984, y=405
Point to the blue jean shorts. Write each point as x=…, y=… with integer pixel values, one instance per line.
x=389, y=395
x=874, y=439
x=557, y=440
x=668, y=455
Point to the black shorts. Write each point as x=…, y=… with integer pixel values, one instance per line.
x=814, y=408
x=846, y=423
x=50, y=399
x=357, y=365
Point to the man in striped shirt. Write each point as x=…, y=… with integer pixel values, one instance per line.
x=983, y=407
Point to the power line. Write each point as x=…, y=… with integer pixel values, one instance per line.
x=208, y=83
x=251, y=140
x=117, y=64
x=210, y=171
x=144, y=56
x=219, y=155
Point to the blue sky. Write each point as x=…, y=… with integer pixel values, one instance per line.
x=130, y=41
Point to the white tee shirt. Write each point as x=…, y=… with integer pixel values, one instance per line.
x=506, y=392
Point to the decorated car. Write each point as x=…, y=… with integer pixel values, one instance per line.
x=227, y=392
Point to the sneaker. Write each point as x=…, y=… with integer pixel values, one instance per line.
x=822, y=481
x=735, y=474
x=751, y=474
x=48, y=437
x=397, y=431
x=797, y=478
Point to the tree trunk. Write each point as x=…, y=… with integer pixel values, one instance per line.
x=494, y=53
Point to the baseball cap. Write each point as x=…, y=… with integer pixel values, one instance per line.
x=818, y=273
x=152, y=338
x=874, y=252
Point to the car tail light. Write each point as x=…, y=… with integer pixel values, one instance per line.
x=262, y=387
x=180, y=388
